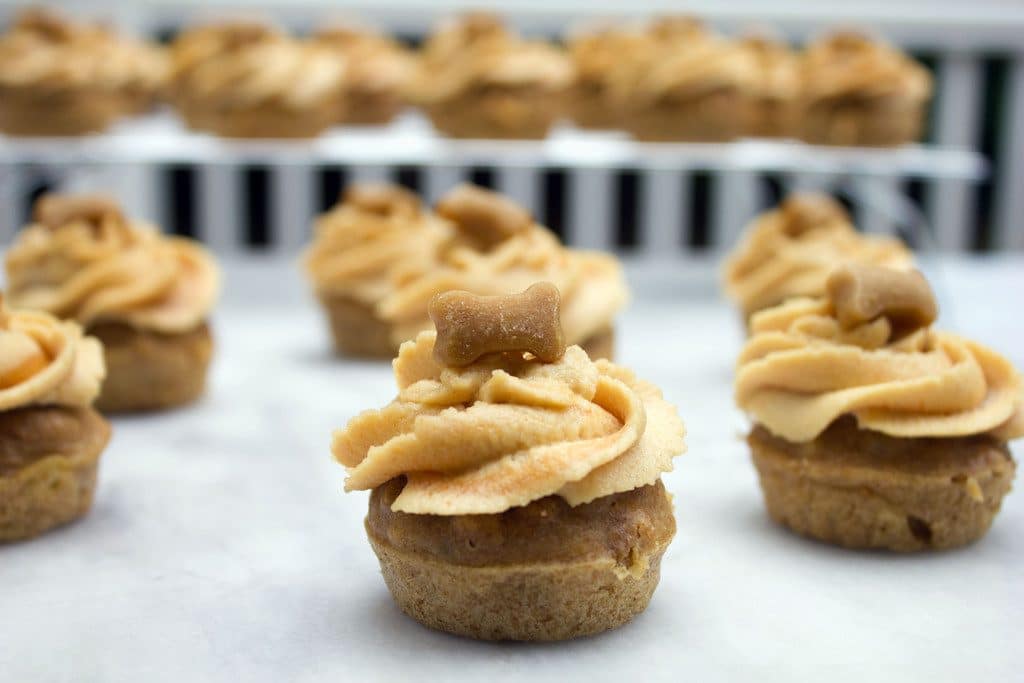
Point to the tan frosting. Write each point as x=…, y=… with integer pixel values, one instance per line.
x=245, y=65
x=848, y=65
x=790, y=251
x=44, y=361
x=84, y=261
x=373, y=62
x=802, y=370
x=508, y=430
x=595, y=54
x=777, y=68
x=396, y=264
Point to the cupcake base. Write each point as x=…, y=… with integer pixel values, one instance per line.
x=544, y=571
x=370, y=108
x=862, y=489
x=770, y=118
x=862, y=124
x=150, y=370
x=56, y=114
x=49, y=459
x=511, y=115
x=265, y=122
x=718, y=117
x=590, y=109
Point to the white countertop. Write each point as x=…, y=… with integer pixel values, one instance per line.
x=222, y=548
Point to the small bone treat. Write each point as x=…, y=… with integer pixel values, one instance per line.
x=470, y=326
x=483, y=216
x=146, y=296
x=50, y=436
x=515, y=483
x=871, y=429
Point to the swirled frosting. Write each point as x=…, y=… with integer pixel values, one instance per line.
x=508, y=430
x=789, y=252
x=801, y=370
x=245, y=65
x=373, y=62
x=852, y=66
x=777, y=68
x=596, y=53
x=44, y=361
x=82, y=260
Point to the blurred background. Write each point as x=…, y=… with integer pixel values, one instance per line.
x=961, y=189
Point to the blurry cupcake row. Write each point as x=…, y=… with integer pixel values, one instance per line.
x=670, y=79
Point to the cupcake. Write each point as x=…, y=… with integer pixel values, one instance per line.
x=379, y=257
x=774, y=91
x=475, y=80
x=377, y=74
x=145, y=295
x=857, y=91
x=873, y=430
x=551, y=527
x=790, y=251
x=50, y=437
x=249, y=81
x=62, y=78
x=595, y=54
x=685, y=84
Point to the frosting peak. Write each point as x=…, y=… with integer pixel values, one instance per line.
x=810, y=361
x=82, y=259
x=44, y=361
x=509, y=429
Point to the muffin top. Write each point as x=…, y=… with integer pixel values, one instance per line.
x=82, y=259
x=790, y=251
x=867, y=349
x=373, y=62
x=853, y=66
x=482, y=423
x=244, y=65
x=46, y=51
x=45, y=361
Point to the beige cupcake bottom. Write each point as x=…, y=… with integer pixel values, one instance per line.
x=265, y=121
x=542, y=572
x=513, y=114
x=368, y=108
x=853, y=124
x=590, y=108
x=49, y=459
x=358, y=332
x=861, y=489
x=770, y=118
x=152, y=371
x=716, y=117
x=36, y=113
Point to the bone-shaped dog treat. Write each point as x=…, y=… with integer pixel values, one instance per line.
x=470, y=326
x=55, y=210
x=383, y=199
x=861, y=293
x=485, y=217
x=803, y=212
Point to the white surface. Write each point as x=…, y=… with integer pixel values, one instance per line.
x=222, y=548
x=160, y=138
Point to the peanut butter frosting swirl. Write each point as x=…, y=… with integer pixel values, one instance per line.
x=777, y=68
x=45, y=361
x=596, y=53
x=852, y=66
x=509, y=429
x=373, y=62
x=808, y=363
x=790, y=251
x=81, y=259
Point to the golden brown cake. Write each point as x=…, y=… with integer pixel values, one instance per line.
x=552, y=527
x=790, y=251
x=145, y=295
x=250, y=81
x=378, y=257
x=476, y=80
x=873, y=430
x=858, y=91
x=683, y=84
x=774, y=91
x=378, y=70
x=63, y=78
x=596, y=54
x=50, y=437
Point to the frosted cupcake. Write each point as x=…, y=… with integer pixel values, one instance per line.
x=595, y=55
x=552, y=527
x=249, y=81
x=873, y=430
x=475, y=80
x=146, y=296
x=774, y=91
x=857, y=91
x=790, y=251
x=379, y=257
x=50, y=437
